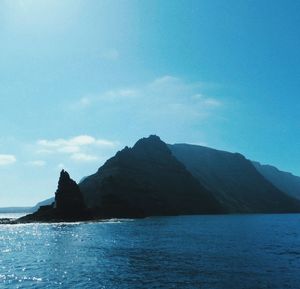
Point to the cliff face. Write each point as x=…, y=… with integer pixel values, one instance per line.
x=146, y=180
x=234, y=181
x=68, y=197
x=284, y=181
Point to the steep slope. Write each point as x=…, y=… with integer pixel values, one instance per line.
x=284, y=181
x=235, y=182
x=146, y=180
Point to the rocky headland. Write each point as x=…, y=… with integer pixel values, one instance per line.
x=156, y=179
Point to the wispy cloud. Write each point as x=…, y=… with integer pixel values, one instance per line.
x=164, y=95
x=82, y=148
x=7, y=159
x=83, y=157
x=169, y=106
x=61, y=166
x=110, y=96
x=73, y=144
x=77, y=148
x=111, y=54
x=37, y=163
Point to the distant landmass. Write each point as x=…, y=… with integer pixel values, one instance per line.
x=285, y=181
x=153, y=178
x=15, y=210
x=233, y=180
x=43, y=203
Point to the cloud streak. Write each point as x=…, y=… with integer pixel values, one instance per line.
x=37, y=163
x=76, y=148
x=111, y=54
x=83, y=157
x=165, y=96
x=168, y=106
x=7, y=159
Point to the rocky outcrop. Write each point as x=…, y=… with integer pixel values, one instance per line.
x=68, y=197
x=68, y=206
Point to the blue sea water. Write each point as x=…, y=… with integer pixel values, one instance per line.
x=215, y=252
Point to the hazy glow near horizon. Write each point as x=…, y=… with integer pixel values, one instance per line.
x=81, y=79
x=31, y=16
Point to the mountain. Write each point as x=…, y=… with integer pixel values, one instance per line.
x=284, y=181
x=233, y=180
x=153, y=178
x=146, y=180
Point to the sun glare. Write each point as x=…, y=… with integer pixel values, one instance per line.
x=36, y=14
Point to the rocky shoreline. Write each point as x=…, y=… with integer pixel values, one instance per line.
x=29, y=219
x=8, y=221
x=34, y=219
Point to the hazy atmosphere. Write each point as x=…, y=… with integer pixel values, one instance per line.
x=79, y=80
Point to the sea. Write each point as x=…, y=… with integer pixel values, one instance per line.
x=206, y=252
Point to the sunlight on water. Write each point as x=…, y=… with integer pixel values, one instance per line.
x=12, y=215
x=226, y=252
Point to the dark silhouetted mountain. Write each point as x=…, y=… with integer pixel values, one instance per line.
x=82, y=179
x=284, y=181
x=234, y=181
x=153, y=178
x=146, y=180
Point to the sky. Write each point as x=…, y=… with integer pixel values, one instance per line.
x=81, y=79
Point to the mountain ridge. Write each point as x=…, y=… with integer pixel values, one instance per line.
x=155, y=178
x=285, y=181
x=155, y=182
x=234, y=180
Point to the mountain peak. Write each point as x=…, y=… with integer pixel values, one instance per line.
x=151, y=139
x=64, y=176
x=149, y=180
x=151, y=144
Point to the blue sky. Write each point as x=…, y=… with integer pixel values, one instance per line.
x=79, y=80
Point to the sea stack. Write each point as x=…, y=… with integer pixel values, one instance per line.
x=68, y=206
x=68, y=197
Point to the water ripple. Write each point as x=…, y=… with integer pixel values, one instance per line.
x=207, y=252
